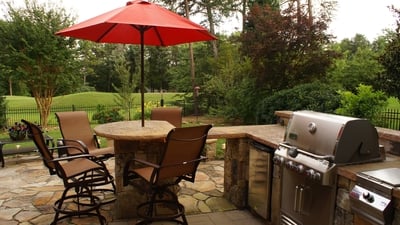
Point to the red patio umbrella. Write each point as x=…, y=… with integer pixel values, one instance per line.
x=139, y=22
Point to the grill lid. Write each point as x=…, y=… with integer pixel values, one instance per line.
x=345, y=139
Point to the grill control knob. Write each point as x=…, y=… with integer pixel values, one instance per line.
x=300, y=168
x=316, y=176
x=279, y=160
x=290, y=165
x=310, y=173
x=367, y=196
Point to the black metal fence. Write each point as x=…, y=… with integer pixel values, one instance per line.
x=32, y=114
x=390, y=118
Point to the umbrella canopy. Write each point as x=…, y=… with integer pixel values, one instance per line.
x=139, y=22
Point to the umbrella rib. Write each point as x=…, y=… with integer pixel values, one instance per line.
x=144, y=28
x=106, y=32
x=159, y=36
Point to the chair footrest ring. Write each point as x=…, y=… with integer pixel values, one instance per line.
x=76, y=208
x=161, y=210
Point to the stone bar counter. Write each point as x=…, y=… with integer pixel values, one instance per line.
x=237, y=167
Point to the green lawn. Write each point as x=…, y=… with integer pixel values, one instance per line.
x=91, y=99
x=80, y=99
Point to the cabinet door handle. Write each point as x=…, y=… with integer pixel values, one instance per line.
x=296, y=206
x=301, y=199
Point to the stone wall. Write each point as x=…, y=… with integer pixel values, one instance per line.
x=236, y=174
x=343, y=215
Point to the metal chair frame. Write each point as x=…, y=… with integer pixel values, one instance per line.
x=76, y=131
x=179, y=161
x=81, y=174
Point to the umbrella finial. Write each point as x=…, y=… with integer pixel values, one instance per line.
x=136, y=1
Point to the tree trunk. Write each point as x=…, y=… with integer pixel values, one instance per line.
x=10, y=86
x=310, y=14
x=43, y=104
x=212, y=29
x=243, y=12
x=192, y=69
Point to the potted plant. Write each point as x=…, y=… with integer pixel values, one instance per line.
x=17, y=131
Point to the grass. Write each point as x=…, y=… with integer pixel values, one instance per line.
x=25, y=107
x=79, y=99
x=90, y=99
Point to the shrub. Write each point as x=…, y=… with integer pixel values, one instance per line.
x=104, y=115
x=147, y=110
x=366, y=103
x=315, y=96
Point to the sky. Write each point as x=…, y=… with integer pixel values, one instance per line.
x=367, y=17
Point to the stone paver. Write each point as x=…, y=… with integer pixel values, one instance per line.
x=28, y=192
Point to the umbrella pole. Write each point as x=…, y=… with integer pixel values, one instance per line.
x=142, y=72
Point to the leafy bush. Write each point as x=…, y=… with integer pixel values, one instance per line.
x=366, y=103
x=315, y=96
x=104, y=115
x=147, y=110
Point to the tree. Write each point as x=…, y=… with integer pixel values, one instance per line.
x=285, y=48
x=358, y=64
x=124, y=97
x=158, y=61
x=230, y=90
x=390, y=60
x=40, y=59
x=103, y=75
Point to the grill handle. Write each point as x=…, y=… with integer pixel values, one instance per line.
x=325, y=157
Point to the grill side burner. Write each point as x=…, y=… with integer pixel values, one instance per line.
x=371, y=197
x=315, y=145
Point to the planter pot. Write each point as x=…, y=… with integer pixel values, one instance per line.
x=17, y=136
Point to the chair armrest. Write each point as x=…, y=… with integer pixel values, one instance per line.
x=68, y=158
x=66, y=147
x=83, y=145
x=146, y=163
x=96, y=141
x=129, y=175
x=186, y=162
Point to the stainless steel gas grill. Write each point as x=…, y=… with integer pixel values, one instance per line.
x=315, y=144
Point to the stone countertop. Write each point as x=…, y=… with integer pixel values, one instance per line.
x=133, y=131
x=350, y=171
x=270, y=135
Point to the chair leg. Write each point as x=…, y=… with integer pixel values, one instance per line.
x=90, y=208
x=149, y=211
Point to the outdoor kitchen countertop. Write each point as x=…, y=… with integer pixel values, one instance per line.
x=350, y=171
x=270, y=135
